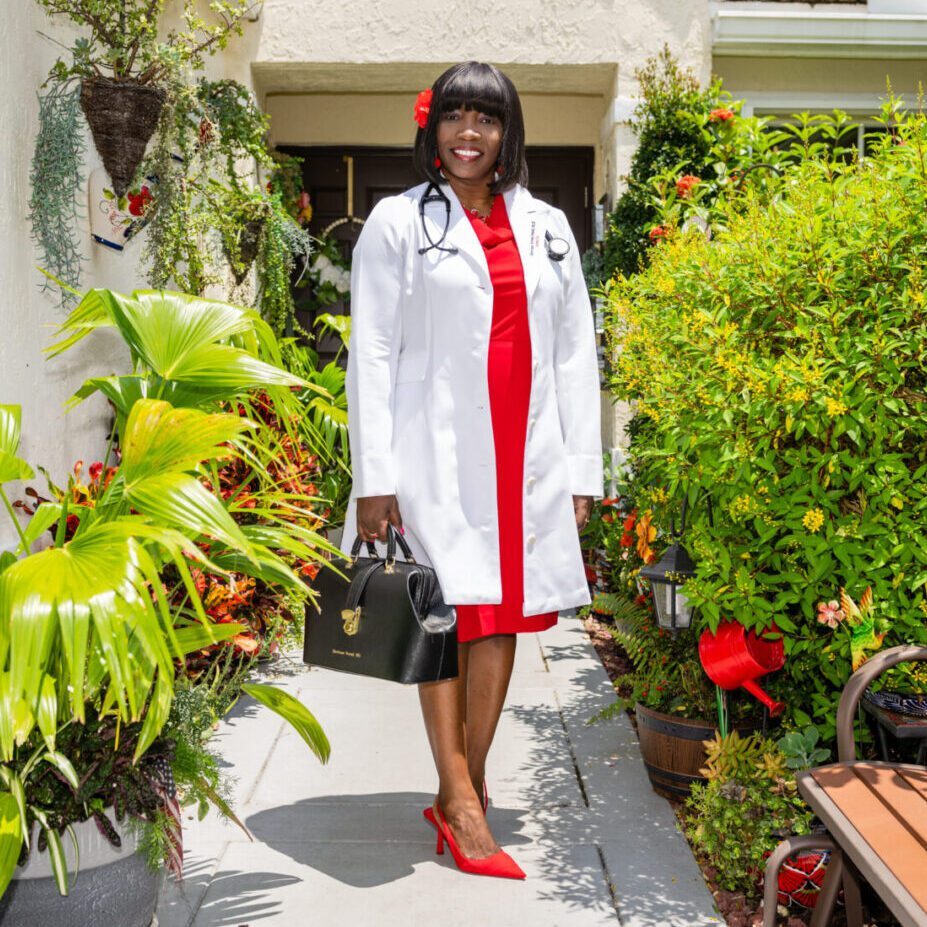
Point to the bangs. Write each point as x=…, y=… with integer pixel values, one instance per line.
x=475, y=88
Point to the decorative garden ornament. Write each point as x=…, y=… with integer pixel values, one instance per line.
x=115, y=219
x=668, y=576
x=733, y=658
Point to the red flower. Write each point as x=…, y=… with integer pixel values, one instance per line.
x=608, y=517
x=422, y=107
x=96, y=469
x=685, y=184
x=721, y=114
x=629, y=522
x=627, y=540
x=138, y=201
x=656, y=232
x=612, y=500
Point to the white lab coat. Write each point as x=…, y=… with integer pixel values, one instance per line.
x=419, y=422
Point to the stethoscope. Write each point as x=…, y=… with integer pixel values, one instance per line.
x=557, y=248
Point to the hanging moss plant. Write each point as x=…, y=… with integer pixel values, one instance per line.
x=208, y=213
x=56, y=181
x=285, y=248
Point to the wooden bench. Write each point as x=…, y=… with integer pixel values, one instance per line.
x=875, y=815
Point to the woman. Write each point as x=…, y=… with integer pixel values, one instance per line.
x=473, y=397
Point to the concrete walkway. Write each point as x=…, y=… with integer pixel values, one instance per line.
x=346, y=843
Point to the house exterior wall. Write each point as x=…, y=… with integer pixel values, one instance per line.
x=346, y=72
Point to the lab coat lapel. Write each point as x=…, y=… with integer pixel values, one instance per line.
x=524, y=219
x=460, y=234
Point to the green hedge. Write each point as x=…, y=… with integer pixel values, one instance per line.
x=781, y=368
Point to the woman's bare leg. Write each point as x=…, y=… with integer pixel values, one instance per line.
x=458, y=712
x=489, y=670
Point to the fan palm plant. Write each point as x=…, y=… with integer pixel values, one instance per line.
x=85, y=623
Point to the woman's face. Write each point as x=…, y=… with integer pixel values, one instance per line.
x=469, y=143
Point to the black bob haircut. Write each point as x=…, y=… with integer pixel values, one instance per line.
x=477, y=86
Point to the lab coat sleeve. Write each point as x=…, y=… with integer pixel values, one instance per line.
x=373, y=348
x=576, y=373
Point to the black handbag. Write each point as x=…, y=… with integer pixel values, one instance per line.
x=388, y=619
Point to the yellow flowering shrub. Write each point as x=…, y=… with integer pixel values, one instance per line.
x=781, y=372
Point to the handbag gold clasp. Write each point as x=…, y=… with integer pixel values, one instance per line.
x=388, y=566
x=351, y=619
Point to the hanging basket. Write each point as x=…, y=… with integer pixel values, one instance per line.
x=249, y=242
x=122, y=116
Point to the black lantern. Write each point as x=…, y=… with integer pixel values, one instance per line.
x=667, y=580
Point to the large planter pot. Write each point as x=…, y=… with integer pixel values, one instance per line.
x=122, y=116
x=113, y=888
x=673, y=751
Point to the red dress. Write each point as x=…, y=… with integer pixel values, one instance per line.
x=509, y=372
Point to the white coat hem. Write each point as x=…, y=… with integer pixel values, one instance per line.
x=558, y=603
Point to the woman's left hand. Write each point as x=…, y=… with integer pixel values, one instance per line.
x=582, y=509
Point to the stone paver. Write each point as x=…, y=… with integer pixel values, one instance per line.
x=345, y=843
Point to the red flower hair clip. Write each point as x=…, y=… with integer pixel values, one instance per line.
x=422, y=107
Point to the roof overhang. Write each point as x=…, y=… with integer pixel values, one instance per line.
x=798, y=30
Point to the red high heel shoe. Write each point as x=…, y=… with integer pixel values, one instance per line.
x=498, y=864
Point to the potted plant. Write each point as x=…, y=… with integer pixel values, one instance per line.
x=123, y=65
x=90, y=639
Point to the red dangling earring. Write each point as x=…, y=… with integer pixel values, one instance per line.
x=437, y=162
x=499, y=169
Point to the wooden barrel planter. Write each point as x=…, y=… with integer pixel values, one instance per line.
x=673, y=751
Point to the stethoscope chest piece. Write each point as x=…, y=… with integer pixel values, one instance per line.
x=557, y=248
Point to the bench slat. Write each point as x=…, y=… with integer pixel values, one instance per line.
x=916, y=778
x=889, y=813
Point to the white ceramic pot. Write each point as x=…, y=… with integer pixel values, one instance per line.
x=113, y=888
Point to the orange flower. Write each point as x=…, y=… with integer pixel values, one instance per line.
x=656, y=232
x=685, y=184
x=722, y=114
x=645, y=534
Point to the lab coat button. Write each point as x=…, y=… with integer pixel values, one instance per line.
x=531, y=481
x=531, y=539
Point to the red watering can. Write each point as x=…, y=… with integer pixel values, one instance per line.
x=733, y=657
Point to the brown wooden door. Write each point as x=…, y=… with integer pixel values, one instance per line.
x=559, y=176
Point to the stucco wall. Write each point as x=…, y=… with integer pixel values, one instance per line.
x=51, y=437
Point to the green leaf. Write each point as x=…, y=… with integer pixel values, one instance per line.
x=56, y=600
x=183, y=502
x=295, y=713
x=63, y=765
x=59, y=863
x=160, y=438
x=11, y=839
x=11, y=466
x=47, y=714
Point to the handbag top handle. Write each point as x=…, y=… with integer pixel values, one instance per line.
x=392, y=538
